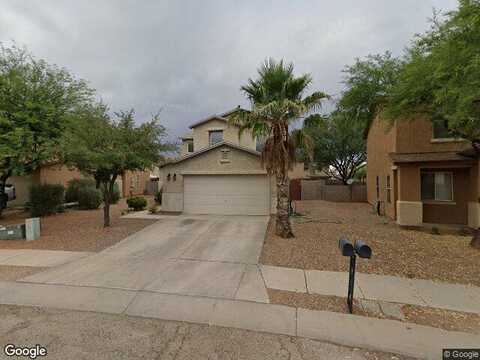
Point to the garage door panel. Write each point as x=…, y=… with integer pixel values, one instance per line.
x=226, y=194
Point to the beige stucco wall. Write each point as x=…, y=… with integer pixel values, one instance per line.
x=297, y=171
x=414, y=136
x=409, y=213
x=58, y=174
x=210, y=162
x=230, y=134
x=380, y=142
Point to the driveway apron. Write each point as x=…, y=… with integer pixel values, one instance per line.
x=201, y=255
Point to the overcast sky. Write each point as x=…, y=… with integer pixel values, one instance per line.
x=190, y=58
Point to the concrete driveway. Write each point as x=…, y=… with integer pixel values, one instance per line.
x=214, y=256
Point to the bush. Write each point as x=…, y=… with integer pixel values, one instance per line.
x=46, y=199
x=89, y=198
x=158, y=197
x=153, y=209
x=73, y=187
x=137, y=203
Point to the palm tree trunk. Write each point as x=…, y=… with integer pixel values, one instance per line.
x=283, y=227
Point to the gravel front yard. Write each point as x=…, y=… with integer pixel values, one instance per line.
x=78, y=230
x=398, y=252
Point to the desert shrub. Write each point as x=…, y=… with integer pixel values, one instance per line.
x=158, y=197
x=89, y=198
x=137, y=203
x=153, y=209
x=46, y=199
x=73, y=187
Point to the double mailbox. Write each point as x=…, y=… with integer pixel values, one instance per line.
x=358, y=248
x=352, y=250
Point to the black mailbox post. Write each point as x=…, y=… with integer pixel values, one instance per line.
x=347, y=249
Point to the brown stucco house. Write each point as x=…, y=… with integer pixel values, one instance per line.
x=418, y=173
x=218, y=172
x=131, y=183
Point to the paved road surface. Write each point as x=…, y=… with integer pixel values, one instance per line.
x=84, y=335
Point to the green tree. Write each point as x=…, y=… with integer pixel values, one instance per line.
x=105, y=149
x=441, y=75
x=339, y=146
x=368, y=83
x=36, y=101
x=277, y=98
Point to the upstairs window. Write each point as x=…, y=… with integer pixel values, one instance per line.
x=215, y=137
x=440, y=129
x=190, y=146
x=437, y=186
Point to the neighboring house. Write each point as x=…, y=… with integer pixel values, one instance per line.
x=132, y=183
x=218, y=172
x=418, y=173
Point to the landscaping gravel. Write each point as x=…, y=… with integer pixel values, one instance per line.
x=439, y=318
x=396, y=251
x=78, y=230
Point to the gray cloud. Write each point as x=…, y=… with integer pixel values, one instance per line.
x=191, y=57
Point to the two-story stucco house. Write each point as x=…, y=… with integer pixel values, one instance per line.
x=218, y=172
x=418, y=173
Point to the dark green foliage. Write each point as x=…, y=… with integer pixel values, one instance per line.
x=368, y=84
x=158, y=197
x=74, y=186
x=106, y=148
x=339, y=146
x=36, y=101
x=137, y=203
x=441, y=77
x=89, y=198
x=46, y=199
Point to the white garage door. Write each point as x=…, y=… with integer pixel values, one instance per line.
x=226, y=194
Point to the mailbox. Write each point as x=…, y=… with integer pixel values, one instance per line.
x=363, y=250
x=346, y=247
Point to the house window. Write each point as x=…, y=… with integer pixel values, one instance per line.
x=388, y=189
x=190, y=146
x=440, y=129
x=437, y=186
x=215, y=137
x=378, y=187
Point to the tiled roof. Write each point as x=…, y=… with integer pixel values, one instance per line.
x=427, y=157
x=222, y=117
x=217, y=145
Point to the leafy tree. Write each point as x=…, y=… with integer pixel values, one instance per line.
x=368, y=83
x=105, y=149
x=277, y=98
x=441, y=76
x=339, y=146
x=36, y=101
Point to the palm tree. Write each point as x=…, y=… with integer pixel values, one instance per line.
x=277, y=101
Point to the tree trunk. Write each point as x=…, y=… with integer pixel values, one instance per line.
x=106, y=213
x=3, y=196
x=283, y=227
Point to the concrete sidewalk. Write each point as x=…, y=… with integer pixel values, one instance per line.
x=351, y=330
x=434, y=294
x=39, y=258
